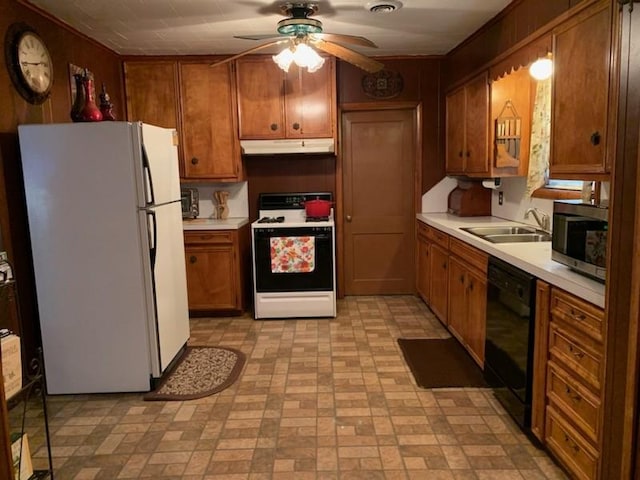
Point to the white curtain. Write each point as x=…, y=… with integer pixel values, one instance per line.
x=540, y=138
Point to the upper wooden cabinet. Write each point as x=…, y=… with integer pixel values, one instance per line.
x=582, y=129
x=152, y=92
x=198, y=101
x=273, y=104
x=467, y=128
x=209, y=141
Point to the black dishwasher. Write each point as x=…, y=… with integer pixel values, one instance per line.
x=508, y=359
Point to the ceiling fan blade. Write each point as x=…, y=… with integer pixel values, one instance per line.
x=268, y=36
x=251, y=50
x=337, y=37
x=361, y=61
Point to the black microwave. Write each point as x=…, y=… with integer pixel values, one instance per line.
x=579, y=238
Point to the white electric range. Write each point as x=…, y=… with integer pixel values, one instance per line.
x=294, y=272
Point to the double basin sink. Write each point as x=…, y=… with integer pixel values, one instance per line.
x=509, y=234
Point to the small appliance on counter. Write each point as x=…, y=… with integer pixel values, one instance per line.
x=579, y=238
x=470, y=199
x=190, y=200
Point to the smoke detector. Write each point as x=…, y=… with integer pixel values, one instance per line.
x=383, y=6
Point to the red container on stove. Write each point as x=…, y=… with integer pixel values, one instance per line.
x=317, y=208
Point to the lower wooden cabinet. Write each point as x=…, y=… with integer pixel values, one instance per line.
x=423, y=272
x=439, y=289
x=217, y=269
x=569, y=364
x=468, y=293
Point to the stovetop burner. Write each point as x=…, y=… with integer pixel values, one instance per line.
x=271, y=220
x=317, y=219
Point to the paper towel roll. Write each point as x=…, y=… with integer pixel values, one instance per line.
x=491, y=183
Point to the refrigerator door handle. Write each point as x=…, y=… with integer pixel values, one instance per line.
x=153, y=239
x=151, y=199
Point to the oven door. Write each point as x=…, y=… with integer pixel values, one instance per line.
x=270, y=246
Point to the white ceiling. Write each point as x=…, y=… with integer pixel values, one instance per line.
x=183, y=27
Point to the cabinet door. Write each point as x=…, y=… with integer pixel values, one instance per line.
x=424, y=270
x=458, y=304
x=309, y=101
x=455, y=132
x=438, y=295
x=540, y=356
x=212, y=277
x=476, y=122
x=209, y=141
x=476, y=315
x=260, y=98
x=582, y=61
x=152, y=92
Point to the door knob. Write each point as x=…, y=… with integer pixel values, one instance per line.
x=193, y=259
x=348, y=218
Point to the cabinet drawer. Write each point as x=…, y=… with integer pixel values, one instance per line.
x=581, y=315
x=570, y=447
x=584, y=361
x=574, y=400
x=423, y=230
x=209, y=236
x=438, y=237
x=470, y=254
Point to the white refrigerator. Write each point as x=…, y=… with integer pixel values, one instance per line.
x=105, y=220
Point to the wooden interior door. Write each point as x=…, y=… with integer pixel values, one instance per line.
x=379, y=154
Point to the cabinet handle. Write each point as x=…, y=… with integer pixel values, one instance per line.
x=296, y=126
x=471, y=286
x=193, y=259
x=569, y=441
x=274, y=126
x=461, y=278
x=595, y=138
x=576, y=353
x=460, y=153
x=444, y=265
x=468, y=153
x=194, y=161
x=572, y=395
x=580, y=317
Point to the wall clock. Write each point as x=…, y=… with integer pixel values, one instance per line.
x=28, y=63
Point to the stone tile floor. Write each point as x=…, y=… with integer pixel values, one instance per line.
x=318, y=399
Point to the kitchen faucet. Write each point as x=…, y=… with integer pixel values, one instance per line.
x=542, y=218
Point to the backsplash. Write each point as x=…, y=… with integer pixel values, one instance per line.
x=515, y=202
x=238, y=202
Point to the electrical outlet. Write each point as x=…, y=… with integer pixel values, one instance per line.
x=500, y=198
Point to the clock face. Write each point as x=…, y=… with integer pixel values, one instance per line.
x=28, y=62
x=35, y=63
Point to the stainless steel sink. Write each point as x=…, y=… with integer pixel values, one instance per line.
x=482, y=231
x=519, y=238
x=509, y=234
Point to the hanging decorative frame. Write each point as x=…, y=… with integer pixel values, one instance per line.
x=383, y=84
x=508, y=128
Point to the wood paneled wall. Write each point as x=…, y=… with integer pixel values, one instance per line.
x=513, y=24
x=65, y=47
x=288, y=173
x=421, y=83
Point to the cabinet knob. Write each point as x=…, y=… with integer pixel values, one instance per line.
x=461, y=278
x=194, y=160
x=296, y=126
x=193, y=259
x=468, y=153
x=274, y=126
x=595, y=138
x=460, y=153
x=348, y=217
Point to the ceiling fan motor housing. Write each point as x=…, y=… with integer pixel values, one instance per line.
x=299, y=22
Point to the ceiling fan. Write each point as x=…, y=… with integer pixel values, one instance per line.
x=301, y=31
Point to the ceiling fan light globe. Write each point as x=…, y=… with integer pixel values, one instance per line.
x=284, y=59
x=541, y=69
x=305, y=56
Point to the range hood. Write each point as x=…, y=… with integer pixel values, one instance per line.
x=275, y=147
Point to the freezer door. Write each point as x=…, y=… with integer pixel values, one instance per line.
x=170, y=327
x=87, y=256
x=161, y=175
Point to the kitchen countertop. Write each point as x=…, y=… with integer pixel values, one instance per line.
x=533, y=257
x=214, y=224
